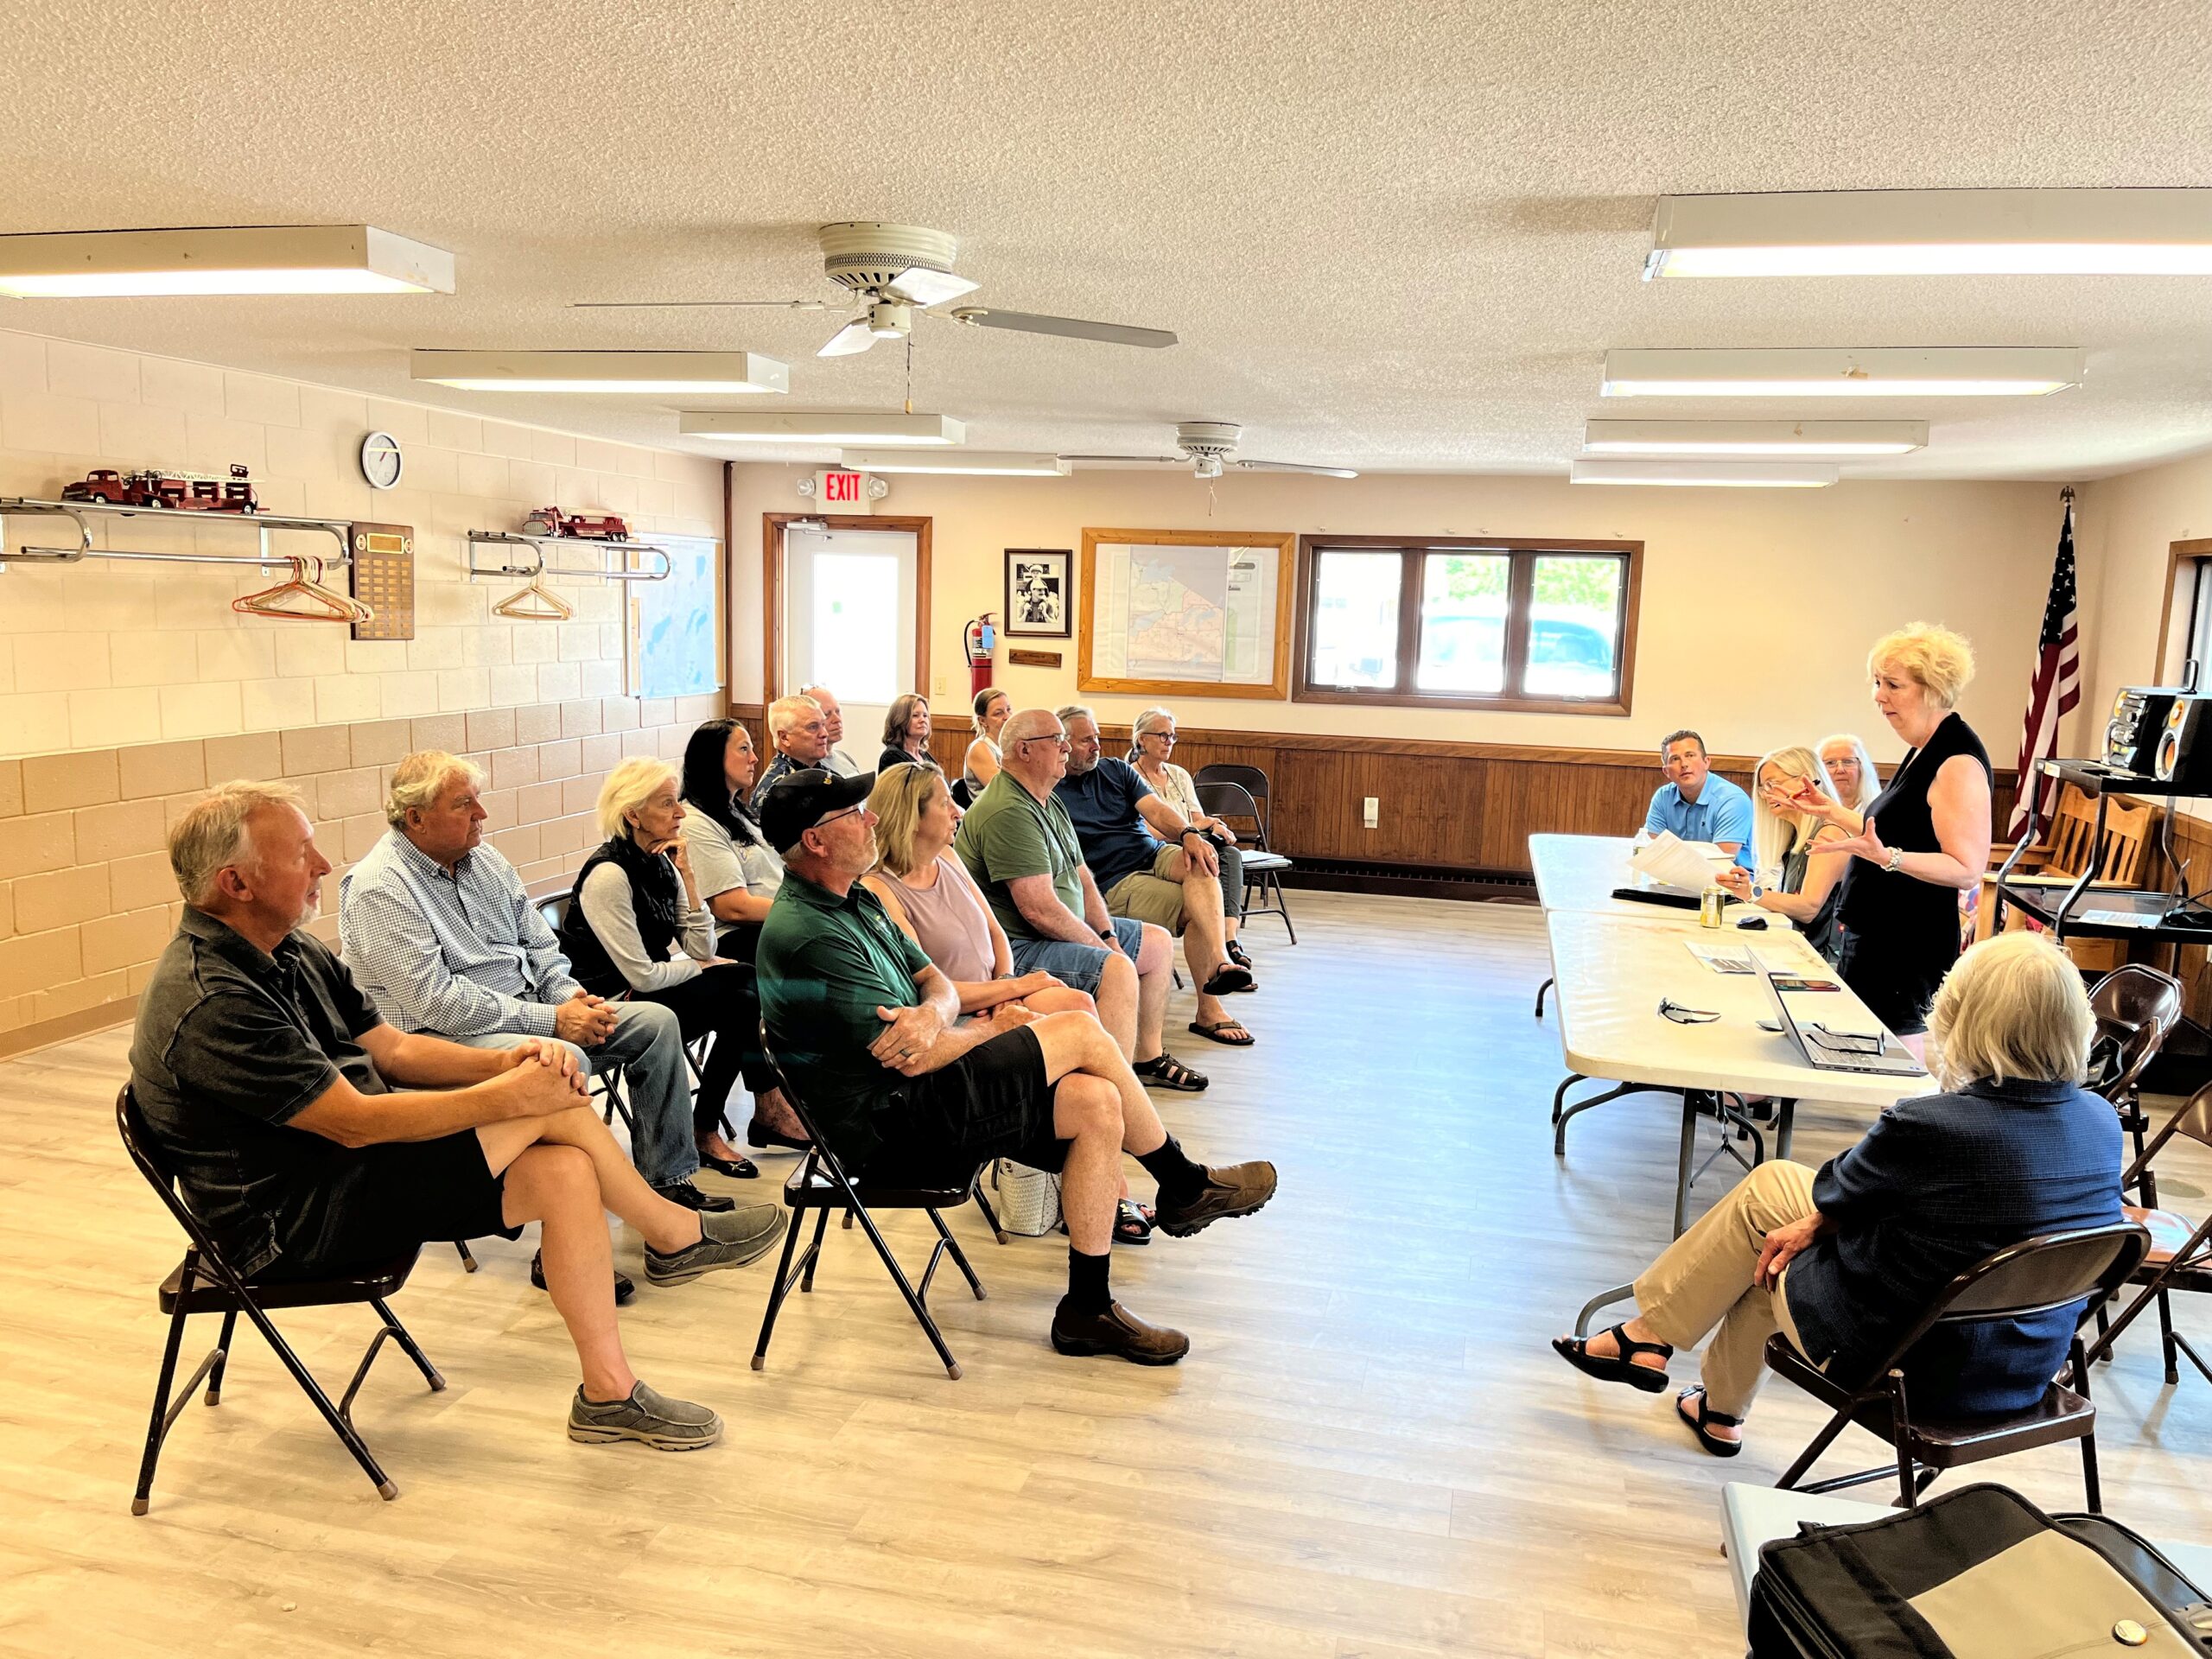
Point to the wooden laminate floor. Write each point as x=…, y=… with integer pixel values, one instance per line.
x=1371, y=1451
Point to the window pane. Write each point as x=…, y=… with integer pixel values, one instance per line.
x=1574, y=627
x=1463, y=622
x=1355, y=626
x=855, y=624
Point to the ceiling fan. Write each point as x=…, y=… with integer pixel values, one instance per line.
x=1210, y=446
x=896, y=271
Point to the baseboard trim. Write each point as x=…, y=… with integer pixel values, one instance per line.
x=63, y=1027
x=1410, y=881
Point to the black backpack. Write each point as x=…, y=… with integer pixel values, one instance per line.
x=1978, y=1573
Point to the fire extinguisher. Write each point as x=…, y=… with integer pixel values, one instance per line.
x=976, y=642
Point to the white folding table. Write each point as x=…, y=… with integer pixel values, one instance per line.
x=1613, y=975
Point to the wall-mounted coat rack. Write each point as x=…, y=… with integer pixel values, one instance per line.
x=535, y=564
x=78, y=512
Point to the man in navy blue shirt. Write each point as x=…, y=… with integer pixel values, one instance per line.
x=1695, y=804
x=1152, y=865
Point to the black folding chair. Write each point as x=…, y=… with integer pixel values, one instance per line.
x=1224, y=796
x=606, y=1084
x=2180, y=1257
x=2137, y=1008
x=820, y=1184
x=2053, y=1271
x=204, y=1282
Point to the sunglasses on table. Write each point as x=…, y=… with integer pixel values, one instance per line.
x=1683, y=1016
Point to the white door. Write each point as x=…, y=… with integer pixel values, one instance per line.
x=849, y=622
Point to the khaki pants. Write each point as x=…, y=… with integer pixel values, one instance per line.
x=1704, y=1280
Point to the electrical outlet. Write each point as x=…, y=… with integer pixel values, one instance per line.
x=1370, y=812
x=940, y=687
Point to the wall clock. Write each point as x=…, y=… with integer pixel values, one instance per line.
x=381, y=461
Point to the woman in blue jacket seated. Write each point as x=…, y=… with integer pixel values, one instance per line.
x=1844, y=1262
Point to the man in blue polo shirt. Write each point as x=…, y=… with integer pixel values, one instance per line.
x=1695, y=804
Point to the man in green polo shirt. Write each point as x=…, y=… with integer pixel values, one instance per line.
x=865, y=1029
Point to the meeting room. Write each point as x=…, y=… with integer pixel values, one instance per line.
x=1258, y=835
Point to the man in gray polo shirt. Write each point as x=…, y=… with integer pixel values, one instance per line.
x=439, y=933
x=267, y=1080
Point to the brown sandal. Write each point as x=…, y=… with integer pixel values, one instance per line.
x=1213, y=1033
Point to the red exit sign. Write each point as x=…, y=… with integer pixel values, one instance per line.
x=840, y=488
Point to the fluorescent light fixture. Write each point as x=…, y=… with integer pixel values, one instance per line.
x=971, y=463
x=222, y=259
x=1881, y=372
x=825, y=426
x=624, y=371
x=1718, y=475
x=1751, y=438
x=1933, y=234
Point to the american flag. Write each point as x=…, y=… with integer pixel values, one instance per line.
x=2056, y=686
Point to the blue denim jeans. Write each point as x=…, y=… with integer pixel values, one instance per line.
x=647, y=1048
x=1080, y=965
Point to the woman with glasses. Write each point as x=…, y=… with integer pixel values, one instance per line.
x=1851, y=769
x=1844, y=1262
x=993, y=707
x=1799, y=876
x=1152, y=743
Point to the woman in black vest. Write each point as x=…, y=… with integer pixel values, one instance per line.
x=906, y=734
x=1922, y=840
x=637, y=928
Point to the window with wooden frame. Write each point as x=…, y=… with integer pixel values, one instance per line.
x=1544, y=627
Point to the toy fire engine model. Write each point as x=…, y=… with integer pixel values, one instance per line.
x=176, y=491
x=552, y=521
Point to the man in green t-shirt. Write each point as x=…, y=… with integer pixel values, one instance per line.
x=1019, y=845
x=865, y=1030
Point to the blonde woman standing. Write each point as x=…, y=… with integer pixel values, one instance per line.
x=1791, y=844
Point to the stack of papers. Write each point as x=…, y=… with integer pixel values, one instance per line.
x=1676, y=862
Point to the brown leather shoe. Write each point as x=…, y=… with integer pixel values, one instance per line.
x=1116, y=1330
x=1232, y=1190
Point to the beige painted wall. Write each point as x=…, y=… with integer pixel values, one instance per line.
x=2131, y=521
x=1759, y=605
x=100, y=654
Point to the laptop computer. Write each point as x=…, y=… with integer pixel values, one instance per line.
x=1874, y=1052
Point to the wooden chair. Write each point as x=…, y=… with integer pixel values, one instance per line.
x=2054, y=1271
x=204, y=1282
x=820, y=1184
x=1228, y=791
x=2180, y=1257
x=2058, y=860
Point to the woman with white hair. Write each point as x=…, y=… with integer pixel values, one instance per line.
x=1844, y=1262
x=1851, y=770
x=1800, y=873
x=1921, y=842
x=638, y=928
x=1151, y=740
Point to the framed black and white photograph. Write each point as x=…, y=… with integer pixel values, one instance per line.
x=1037, y=582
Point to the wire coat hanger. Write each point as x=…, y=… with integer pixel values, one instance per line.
x=311, y=601
x=535, y=603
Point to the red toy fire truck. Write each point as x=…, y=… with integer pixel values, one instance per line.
x=601, y=527
x=154, y=489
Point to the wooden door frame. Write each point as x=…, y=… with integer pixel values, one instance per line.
x=771, y=583
x=2177, y=552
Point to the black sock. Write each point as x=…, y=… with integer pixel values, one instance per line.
x=1180, y=1180
x=1087, y=1288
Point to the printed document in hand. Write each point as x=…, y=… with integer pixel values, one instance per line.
x=1676, y=862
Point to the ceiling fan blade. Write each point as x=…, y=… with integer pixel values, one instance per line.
x=1293, y=467
x=921, y=286
x=1150, y=460
x=633, y=305
x=854, y=337
x=1028, y=322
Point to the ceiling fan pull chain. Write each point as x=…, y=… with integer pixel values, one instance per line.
x=910, y=374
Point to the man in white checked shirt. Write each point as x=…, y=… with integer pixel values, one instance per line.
x=439, y=932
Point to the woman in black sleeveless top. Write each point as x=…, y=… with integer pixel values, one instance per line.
x=1922, y=842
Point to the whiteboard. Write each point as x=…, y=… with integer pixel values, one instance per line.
x=675, y=627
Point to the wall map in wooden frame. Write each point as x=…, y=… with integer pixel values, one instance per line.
x=1186, y=612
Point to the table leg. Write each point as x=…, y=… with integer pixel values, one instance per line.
x=1692, y=1099
x=1785, y=1126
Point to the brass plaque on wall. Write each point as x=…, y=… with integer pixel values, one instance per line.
x=1033, y=658
x=384, y=580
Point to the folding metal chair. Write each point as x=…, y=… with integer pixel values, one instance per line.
x=1228, y=797
x=2035, y=1277
x=2180, y=1257
x=821, y=1184
x=204, y=1282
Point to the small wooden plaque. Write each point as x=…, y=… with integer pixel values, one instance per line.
x=1033, y=658
x=383, y=579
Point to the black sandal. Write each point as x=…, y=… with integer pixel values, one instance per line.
x=1228, y=980
x=1132, y=1222
x=1608, y=1368
x=1236, y=953
x=1168, y=1072
x=1712, y=1443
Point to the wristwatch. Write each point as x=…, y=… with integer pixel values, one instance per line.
x=1188, y=830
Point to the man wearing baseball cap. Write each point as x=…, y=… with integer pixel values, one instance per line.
x=865, y=1028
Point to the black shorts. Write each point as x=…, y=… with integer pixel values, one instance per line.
x=993, y=1102
x=386, y=1200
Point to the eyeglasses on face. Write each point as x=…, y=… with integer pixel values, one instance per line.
x=1061, y=741
x=1165, y=737
x=842, y=812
